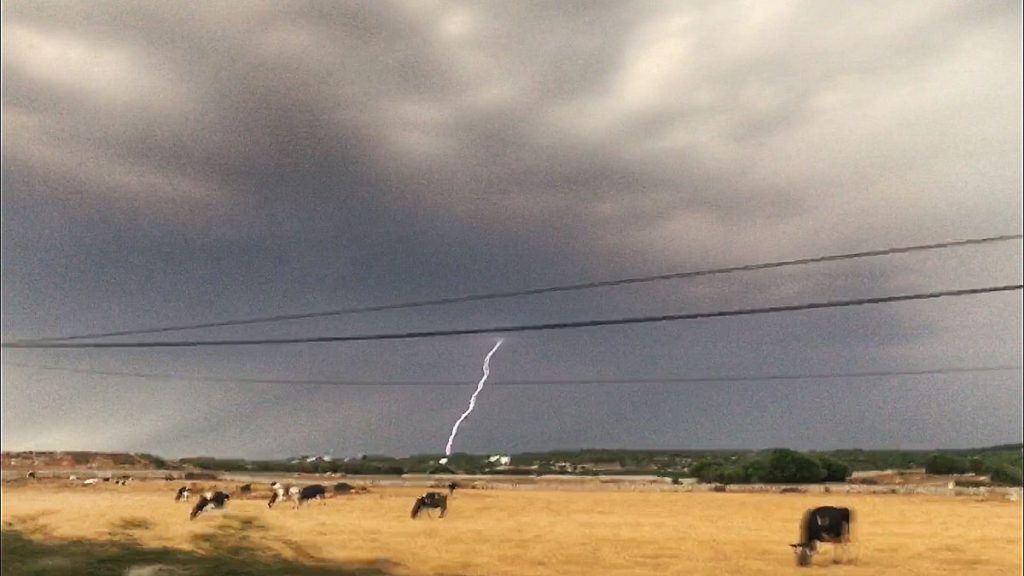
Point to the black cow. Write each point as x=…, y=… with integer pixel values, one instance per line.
x=245, y=489
x=451, y=488
x=343, y=488
x=182, y=495
x=823, y=524
x=209, y=501
x=314, y=491
x=431, y=500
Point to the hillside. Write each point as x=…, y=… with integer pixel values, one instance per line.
x=79, y=459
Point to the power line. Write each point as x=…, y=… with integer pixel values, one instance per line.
x=533, y=291
x=556, y=382
x=516, y=328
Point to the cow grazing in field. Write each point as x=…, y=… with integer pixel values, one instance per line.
x=245, y=489
x=823, y=524
x=343, y=488
x=430, y=500
x=312, y=492
x=90, y=481
x=209, y=501
x=451, y=488
x=279, y=492
x=182, y=495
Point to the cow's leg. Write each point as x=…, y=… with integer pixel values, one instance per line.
x=444, y=510
x=846, y=543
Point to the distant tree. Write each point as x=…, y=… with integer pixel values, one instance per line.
x=945, y=464
x=732, y=475
x=756, y=471
x=790, y=467
x=157, y=462
x=707, y=470
x=835, y=471
x=976, y=465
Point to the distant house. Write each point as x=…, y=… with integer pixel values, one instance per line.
x=500, y=460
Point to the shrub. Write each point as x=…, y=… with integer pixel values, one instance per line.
x=945, y=464
x=1007, y=475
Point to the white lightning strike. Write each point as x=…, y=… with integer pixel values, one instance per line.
x=472, y=403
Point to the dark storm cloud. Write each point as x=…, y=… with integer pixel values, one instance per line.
x=166, y=163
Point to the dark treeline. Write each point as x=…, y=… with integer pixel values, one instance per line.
x=1003, y=463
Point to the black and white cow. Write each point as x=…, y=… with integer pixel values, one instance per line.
x=312, y=492
x=209, y=501
x=823, y=524
x=431, y=500
x=279, y=492
x=182, y=495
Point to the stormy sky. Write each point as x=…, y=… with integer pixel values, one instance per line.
x=168, y=163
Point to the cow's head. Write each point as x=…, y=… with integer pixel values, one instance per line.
x=803, y=553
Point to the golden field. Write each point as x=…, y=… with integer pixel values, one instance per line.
x=54, y=528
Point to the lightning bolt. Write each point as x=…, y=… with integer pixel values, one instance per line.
x=472, y=402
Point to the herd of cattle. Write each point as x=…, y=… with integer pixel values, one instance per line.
x=299, y=495
x=826, y=524
x=823, y=524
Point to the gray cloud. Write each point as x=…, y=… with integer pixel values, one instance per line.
x=167, y=163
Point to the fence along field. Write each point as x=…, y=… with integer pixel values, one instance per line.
x=55, y=528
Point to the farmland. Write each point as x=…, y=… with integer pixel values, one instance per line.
x=60, y=528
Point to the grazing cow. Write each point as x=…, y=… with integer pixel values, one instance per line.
x=245, y=489
x=431, y=500
x=279, y=493
x=182, y=495
x=823, y=524
x=209, y=501
x=343, y=488
x=90, y=481
x=314, y=491
x=451, y=488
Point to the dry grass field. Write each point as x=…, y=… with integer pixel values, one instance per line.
x=139, y=530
